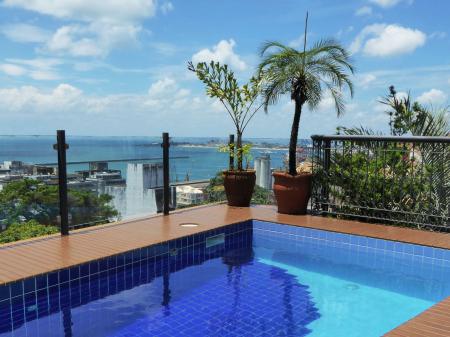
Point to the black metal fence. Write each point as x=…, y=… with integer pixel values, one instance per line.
x=395, y=180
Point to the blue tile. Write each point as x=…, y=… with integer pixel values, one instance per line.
x=128, y=257
x=389, y=245
x=120, y=260
x=136, y=255
x=446, y=255
x=41, y=281
x=5, y=316
x=398, y=247
x=53, y=290
x=439, y=253
x=184, y=241
x=93, y=267
x=4, y=292
x=428, y=252
x=30, y=306
x=16, y=288
x=53, y=279
x=64, y=275
x=408, y=248
x=29, y=285
x=74, y=272
x=418, y=250
x=112, y=262
x=102, y=265
x=84, y=269
x=144, y=253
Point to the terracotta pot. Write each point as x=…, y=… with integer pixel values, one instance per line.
x=292, y=192
x=239, y=186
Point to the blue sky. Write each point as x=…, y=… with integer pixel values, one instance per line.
x=117, y=67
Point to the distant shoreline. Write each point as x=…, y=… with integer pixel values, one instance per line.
x=274, y=148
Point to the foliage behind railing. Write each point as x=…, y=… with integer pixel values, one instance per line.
x=397, y=180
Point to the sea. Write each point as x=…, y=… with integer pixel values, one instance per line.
x=192, y=158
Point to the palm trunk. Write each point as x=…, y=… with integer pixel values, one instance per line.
x=294, y=138
x=239, y=151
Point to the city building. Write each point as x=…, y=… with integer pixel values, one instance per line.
x=263, y=171
x=189, y=195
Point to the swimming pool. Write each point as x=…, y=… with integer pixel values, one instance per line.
x=249, y=279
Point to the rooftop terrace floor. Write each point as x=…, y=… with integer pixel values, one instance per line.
x=37, y=256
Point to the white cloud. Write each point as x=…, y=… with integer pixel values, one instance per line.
x=342, y=32
x=433, y=96
x=40, y=63
x=29, y=109
x=298, y=42
x=22, y=32
x=364, y=80
x=95, y=39
x=37, y=69
x=164, y=48
x=387, y=40
x=438, y=35
x=44, y=75
x=365, y=10
x=327, y=103
x=101, y=25
x=389, y=3
x=70, y=40
x=12, y=69
x=166, y=93
x=88, y=10
x=167, y=7
x=162, y=87
x=222, y=52
x=29, y=99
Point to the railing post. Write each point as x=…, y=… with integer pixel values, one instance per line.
x=166, y=189
x=231, y=148
x=326, y=169
x=61, y=147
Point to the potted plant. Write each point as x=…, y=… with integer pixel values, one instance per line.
x=304, y=75
x=240, y=103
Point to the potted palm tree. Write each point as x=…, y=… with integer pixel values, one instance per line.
x=240, y=102
x=305, y=75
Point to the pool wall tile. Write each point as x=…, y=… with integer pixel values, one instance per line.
x=364, y=244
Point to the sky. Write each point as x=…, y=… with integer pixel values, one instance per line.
x=119, y=68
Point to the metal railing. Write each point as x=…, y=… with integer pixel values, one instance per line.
x=395, y=180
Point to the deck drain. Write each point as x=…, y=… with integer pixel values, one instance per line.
x=351, y=286
x=189, y=224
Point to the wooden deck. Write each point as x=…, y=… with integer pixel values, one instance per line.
x=37, y=256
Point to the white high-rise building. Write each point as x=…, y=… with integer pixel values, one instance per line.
x=263, y=171
x=138, y=198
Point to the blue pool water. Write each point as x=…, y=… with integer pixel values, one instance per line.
x=253, y=279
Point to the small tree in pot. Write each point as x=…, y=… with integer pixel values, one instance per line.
x=241, y=104
x=304, y=75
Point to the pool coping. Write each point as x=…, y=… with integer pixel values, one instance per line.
x=42, y=255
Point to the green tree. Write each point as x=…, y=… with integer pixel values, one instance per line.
x=239, y=101
x=305, y=75
x=26, y=230
x=29, y=199
x=406, y=183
